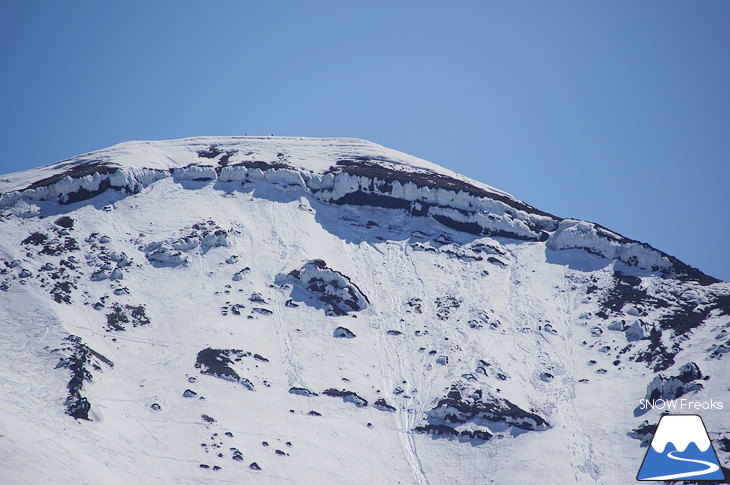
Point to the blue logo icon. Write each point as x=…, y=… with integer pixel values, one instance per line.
x=680, y=450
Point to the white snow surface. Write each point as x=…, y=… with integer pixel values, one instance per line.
x=513, y=319
x=306, y=164
x=310, y=155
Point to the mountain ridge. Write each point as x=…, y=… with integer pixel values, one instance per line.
x=229, y=159
x=223, y=322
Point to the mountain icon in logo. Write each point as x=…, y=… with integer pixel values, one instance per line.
x=680, y=450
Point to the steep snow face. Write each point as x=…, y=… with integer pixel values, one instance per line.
x=330, y=311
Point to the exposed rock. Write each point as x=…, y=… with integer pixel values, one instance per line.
x=171, y=253
x=121, y=315
x=644, y=432
x=674, y=387
x=165, y=256
x=342, y=332
x=636, y=331
x=301, y=391
x=116, y=274
x=218, y=362
x=100, y=275
x=478, y=409
x=446, y=305
x=444, y=431
x=382, y=405
x=35, y=239
x=65, y=222
x=321, y=287
x=79, y=358
x=347, y=396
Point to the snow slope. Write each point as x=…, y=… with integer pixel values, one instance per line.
x=331, y=311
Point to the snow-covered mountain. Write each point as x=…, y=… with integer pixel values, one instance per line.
x=296, y=310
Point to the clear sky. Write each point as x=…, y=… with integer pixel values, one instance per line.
x=615, y=111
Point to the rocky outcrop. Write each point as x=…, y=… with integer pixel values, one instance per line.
x=80, y=360
x=347, y=396
x=219, y=363
x=173, y=252
x=476, y=413
x=317, y=285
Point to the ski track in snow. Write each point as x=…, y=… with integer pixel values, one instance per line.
x=390, y=353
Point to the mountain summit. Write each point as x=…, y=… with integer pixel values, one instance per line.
x=296, y=310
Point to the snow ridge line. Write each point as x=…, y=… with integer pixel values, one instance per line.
x=455, y=204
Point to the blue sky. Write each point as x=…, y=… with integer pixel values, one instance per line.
x=615, y=112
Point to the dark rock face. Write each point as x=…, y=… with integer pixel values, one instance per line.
x=686, y=317
x=79, y=358
x=61, y=291
x=476, y=409
x=677, y=317
x=58, y=246
x=65, y=222
x=301, y=391
x=216, y=362
x=321, y=287
x=382, y=405
x=372, y=168
x=347, y=396
x=36, y=239
x=442, y=431
x=86, y=167
x=342, y=332
x=382, y=180
x=122, y=315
